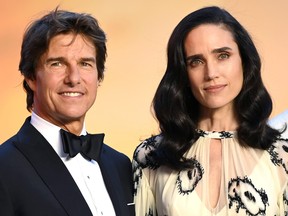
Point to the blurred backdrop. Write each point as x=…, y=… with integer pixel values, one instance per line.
x=137, y=32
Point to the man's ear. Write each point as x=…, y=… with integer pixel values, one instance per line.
x=31, y=83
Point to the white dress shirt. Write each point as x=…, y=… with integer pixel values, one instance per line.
x=86, y=174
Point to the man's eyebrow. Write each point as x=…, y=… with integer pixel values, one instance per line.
x=62, y=59
x=88, y=59
x=54, y=59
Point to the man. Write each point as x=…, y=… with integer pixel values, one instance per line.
x=62, y=61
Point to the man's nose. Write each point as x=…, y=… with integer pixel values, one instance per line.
x=73, y=75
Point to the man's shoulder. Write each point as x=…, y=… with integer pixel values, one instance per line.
x=8, y=151
x=113, y=153
x=279, y=122
x=22, y=130
x=8, y=144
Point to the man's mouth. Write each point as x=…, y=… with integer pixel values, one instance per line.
x=71, y=94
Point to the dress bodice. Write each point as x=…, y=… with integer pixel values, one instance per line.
x=253, y=181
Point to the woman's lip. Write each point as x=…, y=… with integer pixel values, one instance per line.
x=214, y=88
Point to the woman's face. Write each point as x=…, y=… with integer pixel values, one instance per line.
x=214, y=66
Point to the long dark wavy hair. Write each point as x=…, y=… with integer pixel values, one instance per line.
x=40, y=32
x=177, y=110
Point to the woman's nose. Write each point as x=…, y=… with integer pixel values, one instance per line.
x=211, y=71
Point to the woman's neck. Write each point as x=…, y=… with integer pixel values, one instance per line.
x=218, y=120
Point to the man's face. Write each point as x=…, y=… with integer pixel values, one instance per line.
x=66, y=81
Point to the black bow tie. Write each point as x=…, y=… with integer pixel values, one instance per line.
x=88, y=146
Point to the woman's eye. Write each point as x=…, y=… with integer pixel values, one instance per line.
x=224, y=56
x=195, y=62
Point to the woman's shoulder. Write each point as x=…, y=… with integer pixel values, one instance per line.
x=142, y=154
x=279, y=153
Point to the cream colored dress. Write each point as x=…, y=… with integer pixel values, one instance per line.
x=253, y=182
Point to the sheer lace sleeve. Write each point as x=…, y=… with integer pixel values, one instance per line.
x=283, y=201
x=279, y=157
x=144, y=175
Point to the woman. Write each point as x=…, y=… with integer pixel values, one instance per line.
x=215, y=154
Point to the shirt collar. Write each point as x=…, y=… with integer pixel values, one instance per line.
x=51, y=133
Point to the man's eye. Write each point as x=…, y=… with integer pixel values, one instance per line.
x=55, y=64
x=85, y=64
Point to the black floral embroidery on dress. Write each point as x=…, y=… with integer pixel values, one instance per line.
x=187, y=180
x=146, y=147
x=245, y=195
x=142, y=159
x=150, y=213
x=285, y=200
x=137, y=175
x=279, y=160
x=222, y=134
x=226, y=134
x=201, y=132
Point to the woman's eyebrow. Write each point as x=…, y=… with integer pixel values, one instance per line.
x=221, y=49
x=196, y=56
x=200, y=56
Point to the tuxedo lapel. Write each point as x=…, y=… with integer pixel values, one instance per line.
x=118, y=181
x=111, y=186
x=51, y=169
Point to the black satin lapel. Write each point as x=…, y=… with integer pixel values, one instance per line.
x=52, y=170
x=111, y=186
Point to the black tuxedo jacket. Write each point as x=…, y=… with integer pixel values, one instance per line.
x=35, y=182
